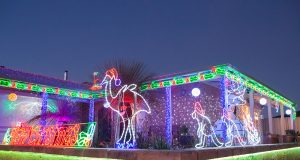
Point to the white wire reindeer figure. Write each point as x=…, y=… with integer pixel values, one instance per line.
x=236, y=92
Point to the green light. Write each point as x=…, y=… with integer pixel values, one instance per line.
x=5, y=83
x=289, y=153
x=7, y=137
x=214, y=73
x=144, y=87
x=95, y=95
x=155, y=84
x=85, y=95
x=179, y=81
x=63, y=92
x=220, y=70
x=209, y=76
x=194, y=78
x=20, y=85
x=85, y=138
x=15, y=155
x=36, y=88
x=167, y=83
x=50, y=90
x=74, y=94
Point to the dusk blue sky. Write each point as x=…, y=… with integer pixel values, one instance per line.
x=261, y=38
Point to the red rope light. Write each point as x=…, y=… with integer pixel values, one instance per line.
x=54, y=135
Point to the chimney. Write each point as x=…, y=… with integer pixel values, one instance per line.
x=66, y=75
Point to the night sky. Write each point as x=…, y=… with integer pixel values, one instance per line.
x=261, y=38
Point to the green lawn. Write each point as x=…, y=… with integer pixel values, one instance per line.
x=282, y=154
x=14, y=155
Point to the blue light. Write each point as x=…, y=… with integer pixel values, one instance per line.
x=223, y=96
x=91, y=111
x=169, y=116
x=44, y=109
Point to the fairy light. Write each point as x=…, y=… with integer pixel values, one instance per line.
x=169, y=115
x=52, y=135
x=85, y=139
x=44, y=109
x=91, y=111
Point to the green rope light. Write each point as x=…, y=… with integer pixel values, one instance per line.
x=214, y=73
x=8, y=83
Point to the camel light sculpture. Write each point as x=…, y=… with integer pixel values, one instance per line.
x=127, y=138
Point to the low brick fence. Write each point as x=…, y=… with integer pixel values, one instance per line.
x=141, y=154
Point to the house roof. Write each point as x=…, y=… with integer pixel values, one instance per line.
x=20, y=80
x=225, y=70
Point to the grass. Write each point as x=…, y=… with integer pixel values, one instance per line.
x=15, y=155
x=282, y=154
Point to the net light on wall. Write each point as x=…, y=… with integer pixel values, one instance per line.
x=196, y=92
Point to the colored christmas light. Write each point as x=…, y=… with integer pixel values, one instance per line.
x=169, y=116
x=91, y=110
x=48, y=89
x=12, y=97
x=128, y=131
x=44, y=109
x=215, y=73
x=53, y=135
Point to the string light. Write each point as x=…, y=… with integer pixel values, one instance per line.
x=52, y=135
x=91, y=111
x=169, y=115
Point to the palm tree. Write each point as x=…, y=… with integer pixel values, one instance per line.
x=130, y=72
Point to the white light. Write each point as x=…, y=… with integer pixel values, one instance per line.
x=288, y=112
x=195, y=92
x=263, y=101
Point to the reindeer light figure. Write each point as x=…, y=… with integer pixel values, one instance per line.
x=236, y=91
x=205, y=129
x=111, y=77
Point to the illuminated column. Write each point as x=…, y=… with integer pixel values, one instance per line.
x=224, y=103
x=91, y=110
x=291, y=119
x=282, y=124
x=169, y=115
x=251, y=103
x=44, y=109
x=270, y=117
